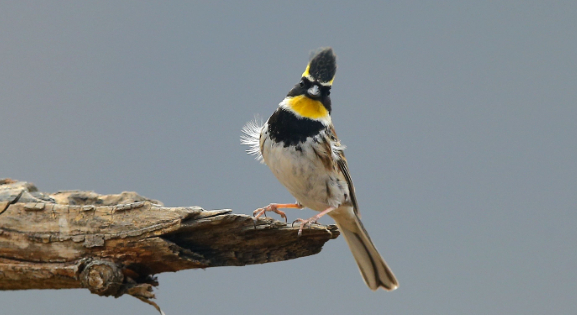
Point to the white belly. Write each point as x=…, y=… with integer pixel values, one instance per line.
x=305, y=176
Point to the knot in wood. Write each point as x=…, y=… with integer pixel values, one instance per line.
x=103, y=278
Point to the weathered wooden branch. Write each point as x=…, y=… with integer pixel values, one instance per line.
x=114, y=244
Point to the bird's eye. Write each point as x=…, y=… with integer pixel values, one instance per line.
x=329, y=92
x=302, y=83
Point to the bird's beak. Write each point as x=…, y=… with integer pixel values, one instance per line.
x=314, y=91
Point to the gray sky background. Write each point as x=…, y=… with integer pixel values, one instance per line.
x=459, y=117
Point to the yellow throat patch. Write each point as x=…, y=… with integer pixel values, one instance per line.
x=307, y=107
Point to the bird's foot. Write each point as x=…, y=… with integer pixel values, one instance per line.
x=312, y=220
x=304, y=223
x=273, y=207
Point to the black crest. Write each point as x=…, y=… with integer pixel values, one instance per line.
x=323, y=65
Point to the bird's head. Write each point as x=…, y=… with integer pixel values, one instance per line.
x=310, y=98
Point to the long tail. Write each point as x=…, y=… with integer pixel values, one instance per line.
x=373, y=267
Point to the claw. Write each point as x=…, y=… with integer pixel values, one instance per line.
x=312, y=220
x=304, y=223
x=256, y=214
x=273, y=207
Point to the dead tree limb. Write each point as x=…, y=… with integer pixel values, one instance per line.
x=115, y=244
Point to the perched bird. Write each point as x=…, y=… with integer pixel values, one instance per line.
x=300, y=146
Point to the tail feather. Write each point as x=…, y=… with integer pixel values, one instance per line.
x=372, y=266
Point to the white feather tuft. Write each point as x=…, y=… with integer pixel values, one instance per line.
x=251, y=137
x=337, y=149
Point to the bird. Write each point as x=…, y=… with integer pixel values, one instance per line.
x=300, y=146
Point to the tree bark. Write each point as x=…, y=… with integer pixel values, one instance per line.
x=115, y=244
